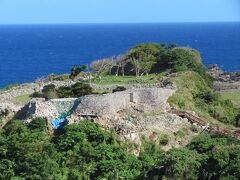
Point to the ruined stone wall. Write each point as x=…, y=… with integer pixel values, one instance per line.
x=39, y=107
x=29, y=88
x=153, y=97
x=107, y=105
x=100, y=105
x=150, y=99
x=64, y=105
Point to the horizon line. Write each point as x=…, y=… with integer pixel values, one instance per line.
x=101, y=23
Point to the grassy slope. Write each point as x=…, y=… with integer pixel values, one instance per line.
x=233, y=96
x=189, y=83
x=24, y=99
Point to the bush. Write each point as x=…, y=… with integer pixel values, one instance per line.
x=38, y=124
x=55, y=77
x=181, y=133
x=194, y=128
x=36, y=95
x=164, y=139
x=76, y=70
x=208, y=96
x=49, y=91
x=81, y=89
x=76, y=90
x=119, y=88
x=65, y=92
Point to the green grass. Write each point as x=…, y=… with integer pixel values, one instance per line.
x=233, y=96
x=59, y=77
x=164, y=139
x=24, y=99
x=189, y=84
x=182, y=133
x=112, y=79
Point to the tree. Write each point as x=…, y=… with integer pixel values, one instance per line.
x=143, y=57
x=183, y=164
x=76, y=70
x=39, y=124
x=81, y=89
x=49, y=91
x=103, y=66
x=222, y=156
x=121, y=63
x=65, y=92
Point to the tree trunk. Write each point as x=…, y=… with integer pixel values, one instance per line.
x=123, y=72
x=135, y=63
x=117, y=70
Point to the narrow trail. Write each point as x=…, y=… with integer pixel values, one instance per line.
x=203, y=123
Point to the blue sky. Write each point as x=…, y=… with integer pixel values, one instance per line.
x=117, y=11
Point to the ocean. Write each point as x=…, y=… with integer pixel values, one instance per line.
x=31, y=51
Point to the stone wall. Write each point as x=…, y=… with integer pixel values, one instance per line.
x=100, y=105
x=39, y=107
x=112, y=105
x=64, y=105
x=107, y=105
x=29, y=88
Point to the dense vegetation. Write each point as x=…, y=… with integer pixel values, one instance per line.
x=86, y=151
x=152, y=58
x=51, y=92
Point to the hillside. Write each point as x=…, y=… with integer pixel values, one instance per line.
x=117, y=122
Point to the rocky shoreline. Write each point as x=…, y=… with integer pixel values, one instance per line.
x=224, y=81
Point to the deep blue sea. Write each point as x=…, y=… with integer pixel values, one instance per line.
x=31, y=51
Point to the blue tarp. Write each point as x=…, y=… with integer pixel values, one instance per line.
x=61, y=121
x=58, y=123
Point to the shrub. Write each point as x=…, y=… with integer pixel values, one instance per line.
x=55, y=77
x=65, y=92
x=208, y=96
x=164, y=139
x=38, y=124
x=181, y=133
x=76, y=70
x=36, y=95
x=81, y=89
x=49, y=91
x=119, y=88
x=181, y=103
x=74, y=91
x=194, y=128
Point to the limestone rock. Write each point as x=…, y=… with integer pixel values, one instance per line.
x=39, y=107
x=224, y=81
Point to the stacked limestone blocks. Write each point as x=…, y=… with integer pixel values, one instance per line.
x=39, y=107
x=107, y=105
